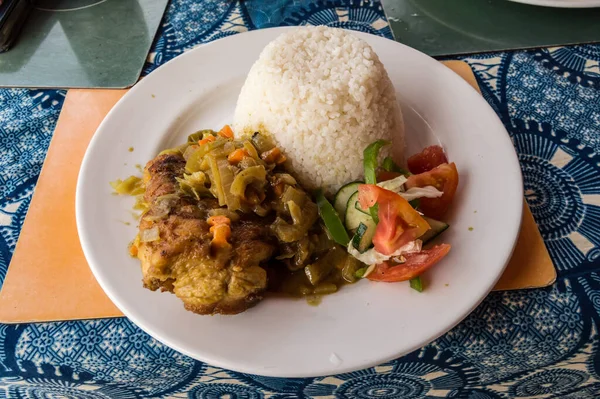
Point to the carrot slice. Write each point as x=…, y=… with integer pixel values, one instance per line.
x=226, y=132
x=209, y=139
x=221, y=233
x=218, y=219
x=237, y=155
x=271, y=156
x=220, y=230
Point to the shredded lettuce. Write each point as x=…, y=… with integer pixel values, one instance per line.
x=396, y=184
x=420, y=192
x=372, y=257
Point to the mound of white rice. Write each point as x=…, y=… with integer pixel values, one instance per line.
x=323, y=95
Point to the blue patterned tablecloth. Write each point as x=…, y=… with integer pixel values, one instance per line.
x=523, y=344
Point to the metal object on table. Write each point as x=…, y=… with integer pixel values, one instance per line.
x=82, y=43
x=444, y=27
x=13, y=14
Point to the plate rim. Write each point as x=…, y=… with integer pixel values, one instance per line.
x=227, y=363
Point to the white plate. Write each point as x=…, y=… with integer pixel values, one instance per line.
x=362, y=325
x=562, y=3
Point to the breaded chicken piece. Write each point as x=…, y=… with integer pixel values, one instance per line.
x=182, y=260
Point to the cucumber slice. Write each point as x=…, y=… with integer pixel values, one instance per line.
x=355, y=217
x=437, y=228
x=341, y=197
x=363, y=238
x=359, y=208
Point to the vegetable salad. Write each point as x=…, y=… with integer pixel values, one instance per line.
x=386, y=220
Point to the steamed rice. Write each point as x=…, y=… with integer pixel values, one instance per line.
x=323, y=95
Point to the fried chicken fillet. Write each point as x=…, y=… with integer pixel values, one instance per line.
x=182, y=261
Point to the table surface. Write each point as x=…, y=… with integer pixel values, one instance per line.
x=439, y=27
x=532, y=343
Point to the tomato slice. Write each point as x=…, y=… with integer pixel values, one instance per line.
x=384, y=175
x=398, y=223
x=427, y=159
x=416, y=263
x=445, y=178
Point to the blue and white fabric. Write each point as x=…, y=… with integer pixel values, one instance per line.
x=519, y=344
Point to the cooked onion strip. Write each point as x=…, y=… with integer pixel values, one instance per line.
x=150, y=235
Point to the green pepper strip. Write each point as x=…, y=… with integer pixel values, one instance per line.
x=390, y=166
x=416, y=284
x=374, y=211
x=370, y=163
x=195, y=137
x=360, y=272
x=370, y=160
x=332, y=220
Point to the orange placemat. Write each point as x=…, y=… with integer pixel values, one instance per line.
x=49, y=279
